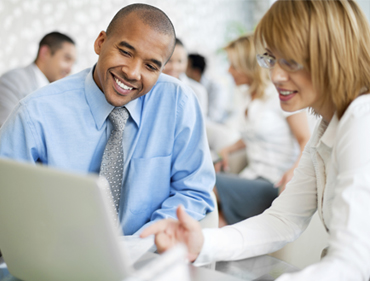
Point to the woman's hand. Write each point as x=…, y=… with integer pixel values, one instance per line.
x=169, y=232
x=223, y=164
x=288, y=175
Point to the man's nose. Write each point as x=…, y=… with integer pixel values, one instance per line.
x=133, y=71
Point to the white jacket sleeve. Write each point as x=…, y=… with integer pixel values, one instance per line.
x=283, y=222
x=348, y=255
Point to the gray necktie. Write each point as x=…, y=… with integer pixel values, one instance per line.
x=112, y=162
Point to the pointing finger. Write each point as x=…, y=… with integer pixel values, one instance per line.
x=156, y=227
x=187, y=221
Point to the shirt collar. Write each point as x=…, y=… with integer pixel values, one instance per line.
x=330, y=132
x=134, y=108
x=99, y=106
x=327, y=132
x=40, y=76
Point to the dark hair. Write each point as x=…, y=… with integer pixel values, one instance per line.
x=149, y=15
x=54, y=40
x=179, y=42
x=197, y=61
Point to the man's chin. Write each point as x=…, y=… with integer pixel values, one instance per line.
x=119, y=101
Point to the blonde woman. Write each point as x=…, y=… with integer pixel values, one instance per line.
x=318, y=55
x=273, y=140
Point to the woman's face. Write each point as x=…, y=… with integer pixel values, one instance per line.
x=295, y=89
x=177, y=63
x=240, y=78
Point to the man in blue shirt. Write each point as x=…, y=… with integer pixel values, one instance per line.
x=166, y=157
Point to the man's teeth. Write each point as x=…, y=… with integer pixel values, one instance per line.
x=286, y=93
x=123, y=86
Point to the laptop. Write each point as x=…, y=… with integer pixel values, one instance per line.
x=56, y=225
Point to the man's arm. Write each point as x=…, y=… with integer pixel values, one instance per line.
x=192, y=173
x=9, y=95
x=18, y=137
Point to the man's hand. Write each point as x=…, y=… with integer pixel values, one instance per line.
x=170, y=232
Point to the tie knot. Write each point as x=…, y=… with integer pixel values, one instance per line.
x=118, y=117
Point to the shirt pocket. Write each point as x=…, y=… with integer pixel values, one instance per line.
x=149, y=180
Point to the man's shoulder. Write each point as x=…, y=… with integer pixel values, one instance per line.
x=167, y=80
x=18, y=82
x=17, y=73
x=168, y=83
x=58, y=89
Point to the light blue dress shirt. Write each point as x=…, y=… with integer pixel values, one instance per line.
x=167, y=160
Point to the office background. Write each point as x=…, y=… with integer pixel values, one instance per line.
x=205, y=26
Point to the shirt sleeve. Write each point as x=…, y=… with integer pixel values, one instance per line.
x=349, y=238
x=283, y=222
x=192, y=173
x=19, y=139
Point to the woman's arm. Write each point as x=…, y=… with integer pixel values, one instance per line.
x=287, y=218
x=346, y=201
x=224, y=155
x=299, y=126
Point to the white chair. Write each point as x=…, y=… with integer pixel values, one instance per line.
x=306, y=250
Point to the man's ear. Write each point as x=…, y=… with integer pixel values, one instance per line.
x=44, y=52
x=102, y=37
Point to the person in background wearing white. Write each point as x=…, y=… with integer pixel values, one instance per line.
x=217, y=95
x=273, y=140
x=318, y=56
x=176, y=67
x=54, y=60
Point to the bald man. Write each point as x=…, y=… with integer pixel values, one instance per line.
x=67, y=124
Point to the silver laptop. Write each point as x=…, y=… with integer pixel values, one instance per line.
x=56, y=225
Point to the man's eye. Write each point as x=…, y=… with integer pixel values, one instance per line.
x=151, y=67
x=124, y=52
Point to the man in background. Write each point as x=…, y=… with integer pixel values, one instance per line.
x=55, y=58
x=176, y=67
x=217, y=99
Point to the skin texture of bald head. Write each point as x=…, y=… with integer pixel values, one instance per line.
x=149, y=15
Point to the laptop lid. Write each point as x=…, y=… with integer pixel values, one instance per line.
x=56, y=225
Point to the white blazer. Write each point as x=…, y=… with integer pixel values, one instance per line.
x=333, y=177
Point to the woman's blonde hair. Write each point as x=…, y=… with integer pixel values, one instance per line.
x=242, y=55
x=331, y=39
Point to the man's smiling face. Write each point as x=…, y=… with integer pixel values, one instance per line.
x=131, y=59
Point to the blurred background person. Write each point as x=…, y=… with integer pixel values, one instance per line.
x=218, y=135
x=269, y=137
x=176, y=67
x=55, y=58
x=217, y=96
